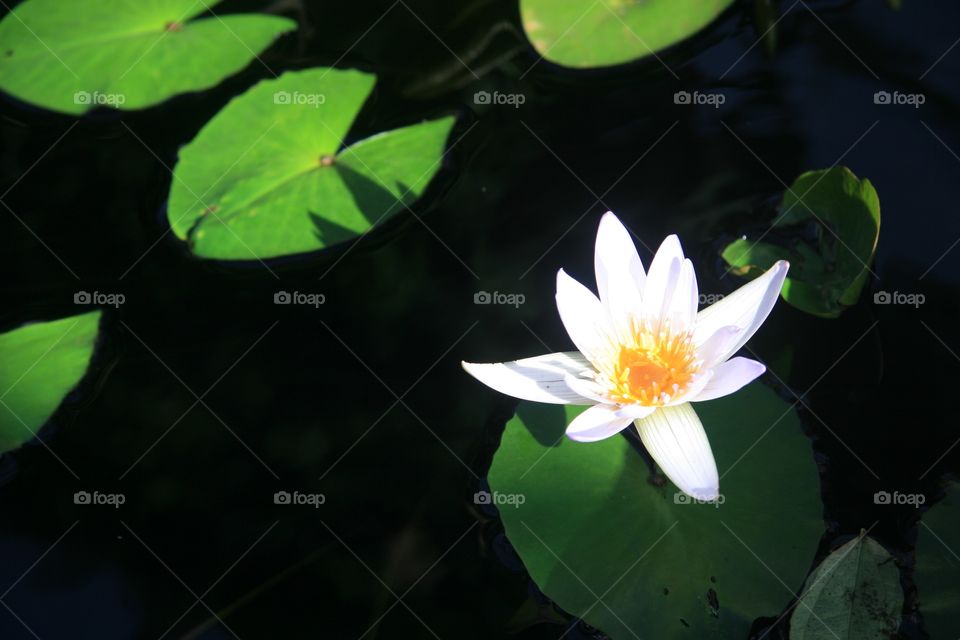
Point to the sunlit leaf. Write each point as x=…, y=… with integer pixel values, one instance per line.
x=42, y=363
x=828, y=273
x=599, y=33
x=854, y=594
x=635, y=559
x=937, y=572
x=74, y=56
x=269, y=176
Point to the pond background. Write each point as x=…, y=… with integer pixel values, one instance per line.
x=363, y=399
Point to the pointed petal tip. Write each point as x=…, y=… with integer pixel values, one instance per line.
x=705, y=494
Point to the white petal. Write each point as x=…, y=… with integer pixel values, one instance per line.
x=586, y=320
x=540, y=379
x=680, y=304
x=675, y=439
x=586, y=388
x=747, y=308
x=634, y=411
x=596, y=423
x=717, y=347
x=728, y=377
x=694, y=390
x=662, y=277
x=620, y=274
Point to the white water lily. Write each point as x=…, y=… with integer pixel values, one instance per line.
x=645, y=353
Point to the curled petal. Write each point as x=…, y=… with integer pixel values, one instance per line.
x=540, y=379
x=675, y=439
x=728, y=377
x=717, y=347
x=747, y=308
x=597, y=423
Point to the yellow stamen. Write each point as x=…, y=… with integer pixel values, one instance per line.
x=654, y=365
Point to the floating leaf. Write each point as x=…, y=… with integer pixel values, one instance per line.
x=854, y=594
x=828, y=274
x=75, y=56
x=42, y=362
x=267, y=175
x=587, y=33
x=591, y=526
x=937, y=572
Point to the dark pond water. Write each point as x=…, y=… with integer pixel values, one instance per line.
x=363, y=399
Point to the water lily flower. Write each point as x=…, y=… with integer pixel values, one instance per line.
x=645, y=353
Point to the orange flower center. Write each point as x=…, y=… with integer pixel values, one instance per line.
x=654, y=366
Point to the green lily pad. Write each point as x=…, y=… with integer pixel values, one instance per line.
x=42, y=363
x=937, y=572
x=854, y=594
x=267, y=176
x=74, y=56
x=591, y=33
x=828, y=274
x=590, y=525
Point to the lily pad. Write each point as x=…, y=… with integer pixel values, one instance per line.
x=854, y=594
x=591, y=33
x=635, y=559
x=42, y=363
x=828, y=273
x=937, y=572
x=269, y=176
x=74, y=56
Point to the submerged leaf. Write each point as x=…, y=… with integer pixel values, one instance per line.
x=42, y=363
x=854, y=594
x=827, y=275
x=75, y=56
x=636, y=559
x=588, y=33
x=268, y=176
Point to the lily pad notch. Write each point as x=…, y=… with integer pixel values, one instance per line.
x=270, y=175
